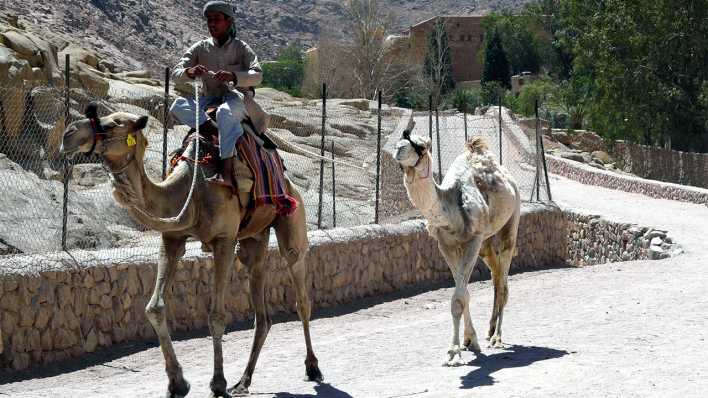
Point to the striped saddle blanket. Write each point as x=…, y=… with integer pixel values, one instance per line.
x=269, y=186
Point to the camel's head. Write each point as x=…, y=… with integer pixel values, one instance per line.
x=410, y=149
x=113, y=137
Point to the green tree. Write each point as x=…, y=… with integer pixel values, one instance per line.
x=643, y=66
x=519, y=39
x=438, y=64
x=286, y=73
x=496, y=63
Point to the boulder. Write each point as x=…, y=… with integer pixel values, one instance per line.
x=587, y=141
x=23, y=46
x=37, y=52
x=602, y=157
x=91, y=80
x=79, y=55
x=561, y=136
x=578, y=157
x=45, y=119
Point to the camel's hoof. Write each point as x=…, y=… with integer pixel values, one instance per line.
x=496, y=342
x=473, y=346
x=238, y=390
x=314, y=374
x=181, y=392
x=453, y=352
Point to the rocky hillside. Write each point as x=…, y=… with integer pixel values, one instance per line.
x=151, y=34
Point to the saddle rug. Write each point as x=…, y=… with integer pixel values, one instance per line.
x=264, y=177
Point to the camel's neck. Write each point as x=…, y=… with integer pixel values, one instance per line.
x=424, y=192
x=145, y=200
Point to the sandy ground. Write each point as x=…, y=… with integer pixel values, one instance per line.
x=635, y=329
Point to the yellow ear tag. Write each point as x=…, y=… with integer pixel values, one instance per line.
x=130, y=140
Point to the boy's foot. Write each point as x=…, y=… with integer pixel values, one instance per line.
x=218, y=179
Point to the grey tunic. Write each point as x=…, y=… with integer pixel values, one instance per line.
x=234, y=56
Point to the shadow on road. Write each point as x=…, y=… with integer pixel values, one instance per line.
x=513, y=357
x=322, y=390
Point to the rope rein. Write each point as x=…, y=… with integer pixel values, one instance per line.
x=176, y=219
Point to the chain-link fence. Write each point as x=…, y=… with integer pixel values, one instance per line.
x=49, y=204
x=517, y=147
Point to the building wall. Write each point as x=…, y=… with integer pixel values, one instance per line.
x=465, y=38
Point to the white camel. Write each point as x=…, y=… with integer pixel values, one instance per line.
x=474, y=212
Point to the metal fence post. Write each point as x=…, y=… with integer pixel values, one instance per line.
x=67, y=164
x=538, y=155
x=334, y=192
x=322, y=152
x=378, y=161
x=164, y=123
x=437, y=132
x=430, y=118
x=501, y=152
x=465, y=118
x=545, y=166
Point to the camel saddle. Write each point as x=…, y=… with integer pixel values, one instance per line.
x=209, y=156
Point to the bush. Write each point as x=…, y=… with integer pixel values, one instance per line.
x=284, y=76
x=541, y=90
x=491, y=93
x=462, y=100
x=287, y=72
x=412, y=97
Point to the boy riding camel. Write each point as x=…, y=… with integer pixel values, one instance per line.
x=221, y=60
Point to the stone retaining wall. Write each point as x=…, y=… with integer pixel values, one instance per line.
x=591, y=176
x=662, y=164
x=63, y=313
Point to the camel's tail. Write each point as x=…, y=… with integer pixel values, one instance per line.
x=477, y=145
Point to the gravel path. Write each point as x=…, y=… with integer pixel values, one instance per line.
x=635, y=329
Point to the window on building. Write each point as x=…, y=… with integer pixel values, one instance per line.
x=462, y=37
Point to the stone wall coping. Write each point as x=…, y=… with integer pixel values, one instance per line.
x=652, y=183
x=34, y=264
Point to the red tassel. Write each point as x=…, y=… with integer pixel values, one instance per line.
x=285, y=206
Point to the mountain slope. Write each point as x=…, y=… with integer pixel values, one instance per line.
x=152, y=34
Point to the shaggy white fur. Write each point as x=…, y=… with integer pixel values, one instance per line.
x=474, y=211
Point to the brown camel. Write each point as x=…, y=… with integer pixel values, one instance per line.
x=474, y=212
x=214, y=216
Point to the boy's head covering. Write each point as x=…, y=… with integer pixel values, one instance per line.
x=220, y=6
x=224, y=8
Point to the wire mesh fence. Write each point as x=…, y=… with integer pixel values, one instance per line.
x=514, y=148
x=39, y=216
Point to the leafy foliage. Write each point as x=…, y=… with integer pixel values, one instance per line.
x=643, y=67
x=496, y=64
x=286, y=73
x=521, y=44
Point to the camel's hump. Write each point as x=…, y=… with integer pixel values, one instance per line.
x=477, y=145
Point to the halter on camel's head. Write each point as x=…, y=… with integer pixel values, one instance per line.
x=114, y=137
x=411, y=149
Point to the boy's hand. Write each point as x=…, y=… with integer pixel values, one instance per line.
x=197, y=71
x=225, y=76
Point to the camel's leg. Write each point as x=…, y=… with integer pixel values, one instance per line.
x=292, y=240
x=501, y=255
x=252, y=254
x=224, y=249
x=470, y=342
x=461, y=260
x=170, y=252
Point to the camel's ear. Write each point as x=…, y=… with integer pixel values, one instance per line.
x=140, y=123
